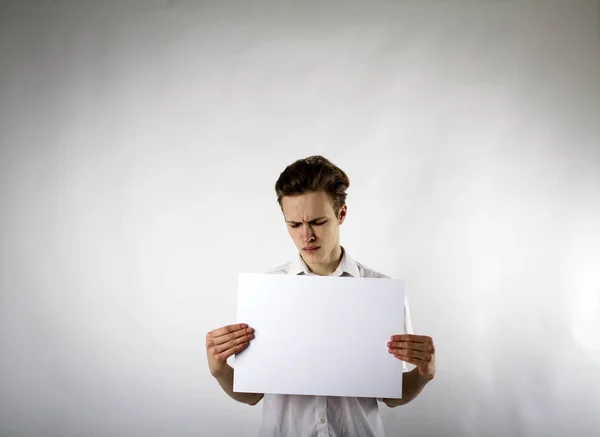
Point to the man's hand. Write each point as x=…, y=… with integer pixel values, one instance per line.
x=223, y=342
x=415, y=349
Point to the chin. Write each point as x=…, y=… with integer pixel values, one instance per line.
x=318, y=257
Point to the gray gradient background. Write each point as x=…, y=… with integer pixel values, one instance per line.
x=140, y=142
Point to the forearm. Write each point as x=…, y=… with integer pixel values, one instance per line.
x=412, y=385
x=226, y=382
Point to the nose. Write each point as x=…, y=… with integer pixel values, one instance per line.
x=307, y=233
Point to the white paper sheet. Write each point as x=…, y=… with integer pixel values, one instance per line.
x=320, y=335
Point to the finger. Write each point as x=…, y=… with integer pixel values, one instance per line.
x=232, y=336
x=227, y=336
x=409, y=353
x=414, y=361
x=419, y=356
x=234, y=350
x=411, y=338
x=227, y=329
x=422, y=347
x=233, y=343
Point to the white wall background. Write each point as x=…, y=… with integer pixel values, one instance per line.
x=140, y=142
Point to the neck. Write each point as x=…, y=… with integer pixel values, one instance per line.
x=329, y=266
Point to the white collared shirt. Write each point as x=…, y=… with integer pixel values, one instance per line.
x=325, y=416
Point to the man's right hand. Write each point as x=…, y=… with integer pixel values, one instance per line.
x=224, y=342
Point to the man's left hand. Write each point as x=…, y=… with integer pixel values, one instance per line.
x=414, y=349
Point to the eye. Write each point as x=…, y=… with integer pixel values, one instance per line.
x=294, y=225
x=321, y=223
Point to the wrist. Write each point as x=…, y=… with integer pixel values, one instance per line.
x=223, y=373
x=424, y=379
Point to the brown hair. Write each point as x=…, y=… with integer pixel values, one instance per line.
x=311, y=174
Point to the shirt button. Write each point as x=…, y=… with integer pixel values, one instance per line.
x=322, y=420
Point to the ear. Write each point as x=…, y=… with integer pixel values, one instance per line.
x=343, y=213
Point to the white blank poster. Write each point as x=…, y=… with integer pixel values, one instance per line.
x=320, y=335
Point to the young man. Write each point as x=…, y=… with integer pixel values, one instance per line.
x=312, y=195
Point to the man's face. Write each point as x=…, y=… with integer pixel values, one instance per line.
x=313, y=225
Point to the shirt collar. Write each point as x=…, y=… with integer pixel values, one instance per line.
x=347, y=265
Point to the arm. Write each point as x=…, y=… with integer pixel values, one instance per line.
x=420, y=351
x=225, y=380
x=221, y=344
x=412, y=384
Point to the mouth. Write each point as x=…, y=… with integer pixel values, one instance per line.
x=311, y=249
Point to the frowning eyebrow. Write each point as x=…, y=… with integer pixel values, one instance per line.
x=312, y=221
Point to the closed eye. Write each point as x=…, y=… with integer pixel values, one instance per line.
x=295, y=225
